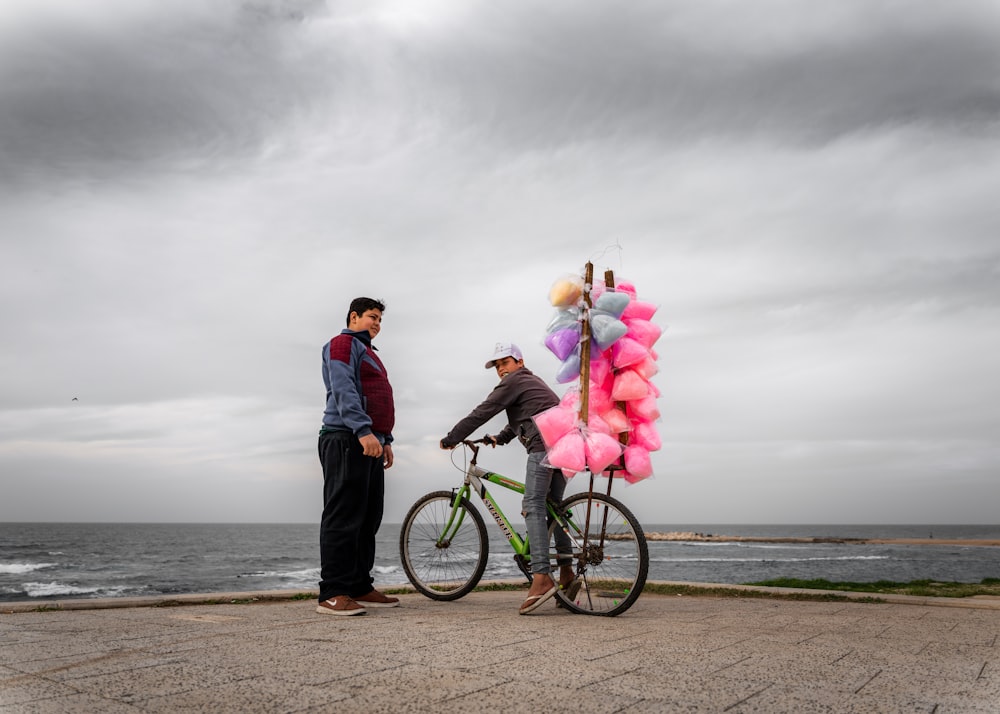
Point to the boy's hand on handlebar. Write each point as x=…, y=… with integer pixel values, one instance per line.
x=491, y=440
x=447, y=448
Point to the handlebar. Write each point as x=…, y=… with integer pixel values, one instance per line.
x=474, y=444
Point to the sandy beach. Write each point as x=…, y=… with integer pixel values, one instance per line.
x=710, y=537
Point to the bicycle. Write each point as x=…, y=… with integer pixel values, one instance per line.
x=444, y=545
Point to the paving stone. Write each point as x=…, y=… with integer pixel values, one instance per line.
x=666, y=654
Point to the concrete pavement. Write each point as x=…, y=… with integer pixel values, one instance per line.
x=666, y=654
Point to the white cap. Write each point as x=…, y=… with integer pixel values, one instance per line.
x=504, y=349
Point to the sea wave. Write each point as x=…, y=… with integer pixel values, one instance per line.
x=22, y=568
x=54, y=589
x=661, y=559
x=308, y=575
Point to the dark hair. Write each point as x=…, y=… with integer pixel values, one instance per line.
x=362, y=305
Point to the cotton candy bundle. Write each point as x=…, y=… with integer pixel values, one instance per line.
x=568, y=317
x=613, y=303
x=644, y=332
x=644, y=434
x=621, y=401
x=627, y=352
x=638, y=310
x=599, y=398
x=606, y=329
x=637, y=461
x=555, y=423
x=616, y=420
x=630, y=478
x=570, y=369
x=563, y=341
x=647, y=368
x=568, y=453
x=601, y=450
x=628, y=386
x=644, y=409
x=566, y=291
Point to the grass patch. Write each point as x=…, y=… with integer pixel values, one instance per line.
x=703, y=591
x=925, y=588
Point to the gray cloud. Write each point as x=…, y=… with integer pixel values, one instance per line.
x=127, y=91
x=193, y=193
x=600, y=72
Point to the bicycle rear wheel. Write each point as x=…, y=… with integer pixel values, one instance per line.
x=612, y=567
x=443, y=548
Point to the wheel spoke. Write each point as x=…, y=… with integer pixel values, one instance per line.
x=613, y=565
x=443, y=557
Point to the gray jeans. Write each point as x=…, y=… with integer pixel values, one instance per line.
x=540, y=481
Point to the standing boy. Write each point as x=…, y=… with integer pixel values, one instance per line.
x=355, y=448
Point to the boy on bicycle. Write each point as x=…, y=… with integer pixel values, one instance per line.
x=523, y=395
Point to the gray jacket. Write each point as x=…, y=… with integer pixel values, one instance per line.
x=523, y=395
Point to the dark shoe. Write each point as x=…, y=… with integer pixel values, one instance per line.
x=340, y=605
x=377, y=599
x=572, y=588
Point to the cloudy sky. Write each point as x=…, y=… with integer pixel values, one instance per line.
x=191, y=193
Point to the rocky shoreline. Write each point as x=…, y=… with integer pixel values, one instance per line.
x=712, y=538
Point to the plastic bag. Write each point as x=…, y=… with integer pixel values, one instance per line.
x=570, y=369
x=571, y=399
x=637, y=461
x=627, y=352
x=595, y=422
x=563, y=319
x=602, y=450
x=644, y=434
x=625, y=286
x=613, y=303
x=568, y=453
x=616, y=420
x=646, y=369
x=555, y=423
x=644, y=409
x=606, y=329
x=599, y=398
x=566, y=291
x=562, y=342
x=637, y=309
x=600, y=368
x=628, y=386
x=644, y=332
x=631, y=478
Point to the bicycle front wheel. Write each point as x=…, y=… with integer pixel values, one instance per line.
x=610, y=556
x=443, y=546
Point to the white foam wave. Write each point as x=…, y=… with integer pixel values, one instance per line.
x=307, y=574
x=768, y=560
x=55, y=589
x=22, y=568
x=740, y=544
x=62, y=589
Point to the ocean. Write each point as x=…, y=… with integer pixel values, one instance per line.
x=46, y=561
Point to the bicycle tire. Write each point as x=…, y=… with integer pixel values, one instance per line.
x=443, y=571
x=612, y=575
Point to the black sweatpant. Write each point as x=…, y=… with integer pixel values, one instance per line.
x=353, y=498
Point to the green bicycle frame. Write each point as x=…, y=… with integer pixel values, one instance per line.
x=475, y=480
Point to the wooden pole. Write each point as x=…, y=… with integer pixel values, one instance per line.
x=588, y=280
x=609, y=283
